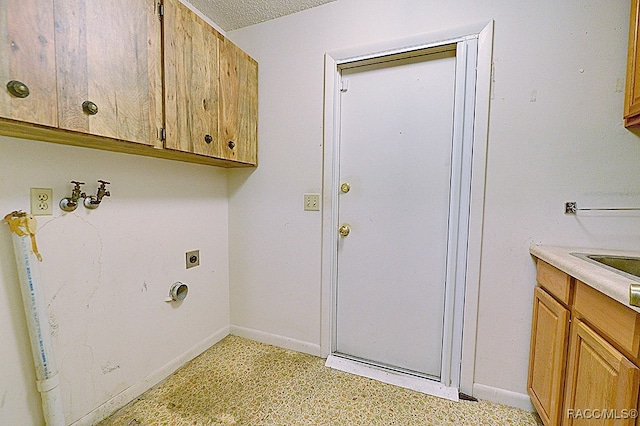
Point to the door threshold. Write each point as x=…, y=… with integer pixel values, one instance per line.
x=404, y=380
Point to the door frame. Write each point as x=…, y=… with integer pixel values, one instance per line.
x=474, y=42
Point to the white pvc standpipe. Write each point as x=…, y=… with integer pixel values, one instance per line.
x=39, y=330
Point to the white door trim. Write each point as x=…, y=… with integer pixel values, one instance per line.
x=484, y=35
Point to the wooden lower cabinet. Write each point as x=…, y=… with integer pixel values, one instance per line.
x=584, y=356
x=549, y=340
x=602, y=384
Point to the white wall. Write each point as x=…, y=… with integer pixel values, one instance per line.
x=556, y=135
x=107, y=272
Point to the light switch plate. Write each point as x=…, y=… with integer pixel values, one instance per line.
x=312, y=202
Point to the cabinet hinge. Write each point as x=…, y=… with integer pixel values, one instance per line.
x=163, y=134
x=160, y=10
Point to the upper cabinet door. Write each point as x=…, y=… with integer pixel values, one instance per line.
x=239, y=104
x=27, y=64
x=191, y=81
x=108, y=56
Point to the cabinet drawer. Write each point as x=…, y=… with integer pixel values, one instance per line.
x=555, y=281
x=620, y=324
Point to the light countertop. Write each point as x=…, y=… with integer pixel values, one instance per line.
x=604, y=280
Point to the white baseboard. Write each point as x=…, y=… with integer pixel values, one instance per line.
x=132, y=392
x=276, y=340
x=502, y=396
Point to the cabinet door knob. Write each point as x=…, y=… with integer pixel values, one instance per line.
x=208, y=139
x=90, y=108
x=18, y=89
x=232, y=144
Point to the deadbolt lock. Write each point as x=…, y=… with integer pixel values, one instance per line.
x=344, y=230
x=345, y=187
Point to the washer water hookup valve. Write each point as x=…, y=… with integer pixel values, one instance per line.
x=93, y=201
x=69, y=204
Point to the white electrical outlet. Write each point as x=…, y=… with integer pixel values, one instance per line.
x=41, y=201
x=312, y=202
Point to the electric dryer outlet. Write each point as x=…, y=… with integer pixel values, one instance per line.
x=193, y=258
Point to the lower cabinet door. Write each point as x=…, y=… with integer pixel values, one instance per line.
x=602, y=384
x=547, y=359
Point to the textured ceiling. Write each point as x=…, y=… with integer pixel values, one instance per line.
x=234, y=14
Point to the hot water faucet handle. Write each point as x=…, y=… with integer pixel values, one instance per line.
x=69, y=204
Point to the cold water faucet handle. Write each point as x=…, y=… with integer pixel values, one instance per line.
x=102, y=192
x=93, y=201
x=69, y=204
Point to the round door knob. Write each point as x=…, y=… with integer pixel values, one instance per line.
x=208, y=138
x=344, y=230
x=232, y=144
x=90, y=108
x=345, y=187
x=18, y=89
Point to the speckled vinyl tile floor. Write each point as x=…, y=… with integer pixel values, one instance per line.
x=242, y=382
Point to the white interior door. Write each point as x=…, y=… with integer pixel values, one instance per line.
x=395, y=153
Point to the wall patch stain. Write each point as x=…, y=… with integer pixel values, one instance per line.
x=106, y=369
x=53, y=324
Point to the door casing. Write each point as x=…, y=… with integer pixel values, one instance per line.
x=473, y=45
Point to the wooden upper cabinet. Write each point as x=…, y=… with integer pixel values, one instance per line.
x=108, y=57
x=632, y=91
x=27, y=55
x=239, y=104
x=599, y=377
x=101, y=74
x=191, y=82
